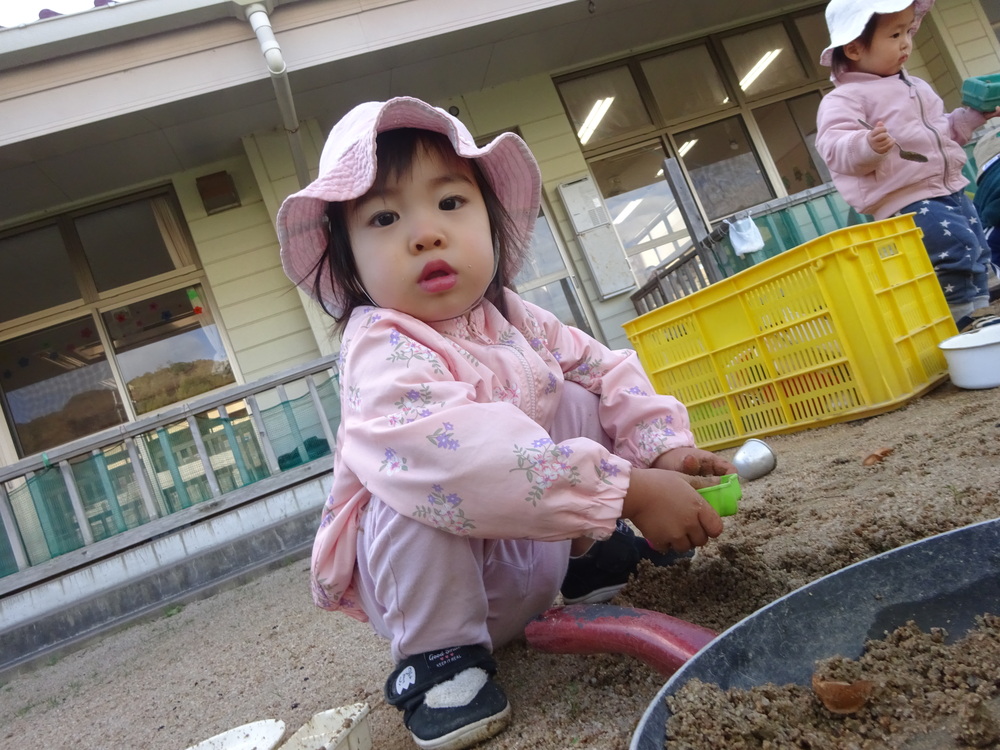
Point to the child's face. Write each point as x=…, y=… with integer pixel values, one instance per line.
x=423, y=245
x=890, y=47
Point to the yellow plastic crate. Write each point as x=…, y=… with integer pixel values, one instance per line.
x=843, y=327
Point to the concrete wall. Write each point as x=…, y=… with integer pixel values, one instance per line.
x=198, y=558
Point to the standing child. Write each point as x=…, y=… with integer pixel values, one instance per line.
x=870, y=41
x=483, y=442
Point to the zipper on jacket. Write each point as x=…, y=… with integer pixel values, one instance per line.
x=937, y=135
x=530, y=381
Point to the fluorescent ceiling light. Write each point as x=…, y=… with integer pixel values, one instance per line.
x=632, y=205
x=686, y=146
x=759, y=68
x=597, y=113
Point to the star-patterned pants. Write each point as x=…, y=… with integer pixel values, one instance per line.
x=957, y=246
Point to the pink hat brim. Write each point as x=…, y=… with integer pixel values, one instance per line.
x=347, y=169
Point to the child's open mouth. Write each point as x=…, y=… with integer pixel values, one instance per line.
x=437, y=276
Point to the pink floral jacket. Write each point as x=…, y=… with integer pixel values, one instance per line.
x=448, y=423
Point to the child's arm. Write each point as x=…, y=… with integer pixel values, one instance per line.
x=667, y=508
x=642, y=423
x=845, y=146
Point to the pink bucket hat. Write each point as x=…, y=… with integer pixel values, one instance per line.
x=347, y=169
x=846, y=19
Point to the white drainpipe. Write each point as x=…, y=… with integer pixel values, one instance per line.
x=260, y=22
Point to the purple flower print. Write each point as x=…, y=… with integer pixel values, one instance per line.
x=443, y=437
x=652, y=437
x=393, y=463
x=606, y=470
x=444, y=512
x=551, y=386
x=543, y=465
x=636, y=391
x=407, y=350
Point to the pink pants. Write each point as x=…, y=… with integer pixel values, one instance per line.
x=426, y=589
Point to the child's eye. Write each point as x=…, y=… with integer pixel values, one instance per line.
x=451, y=203
x=383, y=219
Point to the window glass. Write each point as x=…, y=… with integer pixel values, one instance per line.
x=35, y=261
x=57, y=386
x=723, y=167
x=168, y=348
x=814, y=33
x=685, y=82
x=125, y=244
x=604, y=105
x=560, y=300
x=544, y=258
x=641, y=205
x=789, y=128
x=764, y=59
x=544, y=280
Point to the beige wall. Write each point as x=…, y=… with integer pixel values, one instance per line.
x=533, y=106
x=262, y=320
x=961, y=45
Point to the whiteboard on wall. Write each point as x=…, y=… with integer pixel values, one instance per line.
x=583, y=204
x=606, y=259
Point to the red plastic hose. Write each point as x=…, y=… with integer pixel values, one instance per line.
x=658, y=640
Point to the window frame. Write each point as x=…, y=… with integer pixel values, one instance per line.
x=93, y=304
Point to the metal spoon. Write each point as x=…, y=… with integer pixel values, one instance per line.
x=903, y=153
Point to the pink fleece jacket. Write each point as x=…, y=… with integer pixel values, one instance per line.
x=882, y=184
x=448, y=424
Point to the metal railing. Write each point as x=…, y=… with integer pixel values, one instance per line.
x=124, y=478
x=784, y=223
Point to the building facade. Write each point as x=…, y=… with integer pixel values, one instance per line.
x=145, y=148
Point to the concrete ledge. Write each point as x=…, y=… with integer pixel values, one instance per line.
x=232, y=563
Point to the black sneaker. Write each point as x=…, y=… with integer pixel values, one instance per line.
x=603, y=570
x=448, y=697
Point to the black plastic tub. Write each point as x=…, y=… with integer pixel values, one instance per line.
x=944, y=581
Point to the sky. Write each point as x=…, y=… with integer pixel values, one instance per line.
x=16, y=12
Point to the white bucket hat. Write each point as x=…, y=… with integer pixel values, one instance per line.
x=846, y=19
x=347, y=170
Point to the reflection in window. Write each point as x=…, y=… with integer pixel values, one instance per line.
x=764, y=59
x=789, y=128
x=604, y=105
x=816, y=36
x=168, y=348
x=25, y=261
x=560, y=300
x=723, y=168
x=57, y=386
x=642, y=207
x=126, y=243
x=685, y=82
x=544, y=280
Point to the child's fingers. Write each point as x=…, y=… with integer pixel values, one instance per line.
x=700, y=482
x=711, y=522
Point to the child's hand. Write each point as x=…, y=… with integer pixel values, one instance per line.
x=991, y=115
x=879, y=139
x=694, y=461
x=666, y=507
